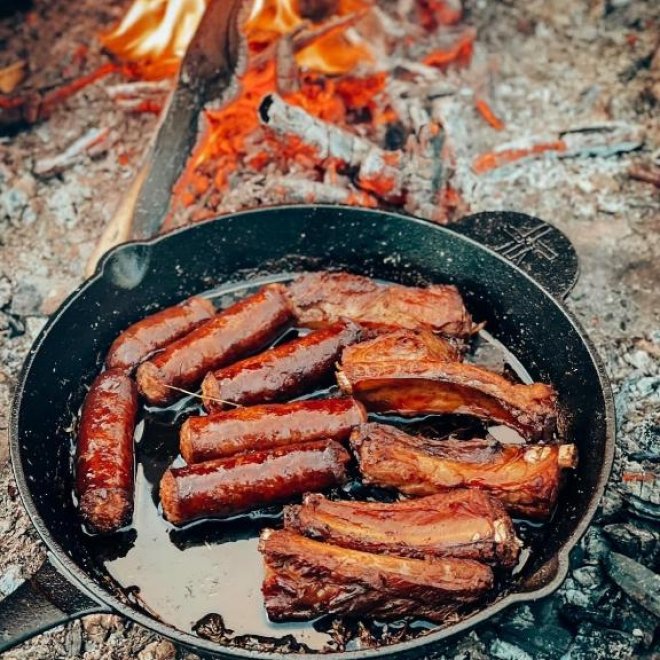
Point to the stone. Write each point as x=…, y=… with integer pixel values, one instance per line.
x=26, y=300
x=160, y=650
x=640, y=583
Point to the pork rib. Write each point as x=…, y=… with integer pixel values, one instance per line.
x=463, y=523
x=322, y=298
x=525, y=479
x=414, y=387
x=305, y=579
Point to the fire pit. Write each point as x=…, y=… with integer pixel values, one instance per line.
x=418, y=112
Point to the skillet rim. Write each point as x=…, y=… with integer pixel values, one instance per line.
x=91, y=587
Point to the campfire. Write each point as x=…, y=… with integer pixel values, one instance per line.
x=300, y=101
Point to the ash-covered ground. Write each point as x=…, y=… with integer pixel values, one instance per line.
x=561, y=65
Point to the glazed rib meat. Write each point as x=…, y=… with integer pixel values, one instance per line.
x=305, y=579
x=411, y=388
x=525, y=479
x=419, y=344
x=282, y=372
x=322, y=298
x=463, y=523
x=255, y=428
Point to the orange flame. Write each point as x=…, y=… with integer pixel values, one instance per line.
x=154, y=35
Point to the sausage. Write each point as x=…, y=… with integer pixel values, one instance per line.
x=264, y=427
x=235, y=332
x=141, y=339
x=105, y=454
x=229, y=486
x=282, y=372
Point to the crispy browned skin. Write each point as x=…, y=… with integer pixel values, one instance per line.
x=264, y=427
x=282, y=372
x=235, y=332
x=463, y=523
x=525, y=479
x=229, y=486
x=419, y=344
x=412, y=388
x=141, y=339
x=322, y=298
x=305, y=579
x=104, y=453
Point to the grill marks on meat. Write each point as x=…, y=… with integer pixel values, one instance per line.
x=141, y=339
x=104, y=452
x=525, y=479
x=320, y=299
x=463, y=523
x=412, y=388
x=229, y=486
x=257, y=428
x=306, y=578
x=282, y=372
x=419, y=344
x=239, y=330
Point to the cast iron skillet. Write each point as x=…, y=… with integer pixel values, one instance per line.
x=513, y=270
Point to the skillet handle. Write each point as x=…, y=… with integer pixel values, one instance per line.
x=44, y=601
x=535, y=246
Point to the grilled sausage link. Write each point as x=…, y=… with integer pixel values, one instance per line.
x=282, y=372
x=230, y=335
x=265, y=427
x=145, y=337
x=229, y=486
x=104, y=456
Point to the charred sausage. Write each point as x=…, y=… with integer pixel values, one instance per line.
x=235, y=332
x=104, y=453
x=229, y=486
x=145, y=337
x=264, y=427
x=282, y=372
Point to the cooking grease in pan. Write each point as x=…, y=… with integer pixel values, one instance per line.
x=207, y=576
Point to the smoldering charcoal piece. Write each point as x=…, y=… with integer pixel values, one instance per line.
x=229, y=486
x=283, y=372
x=525, y=479
x=257, y=428
x=307, y=578
x=141, y=339
x=420, y=344
x=237, y=331
x=463, y=523
x=104, y=452
x=322, y=298
x=411, y=388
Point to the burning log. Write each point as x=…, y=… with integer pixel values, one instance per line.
x=602, y=140
x=317, y=10
x=304, y=191
x=140, y=96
